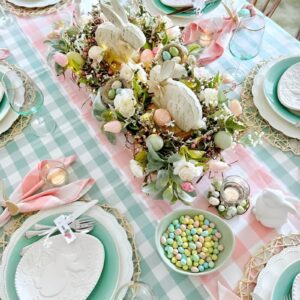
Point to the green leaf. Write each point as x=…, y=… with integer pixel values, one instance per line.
x=168, y=193
x=162, y=179
x=137, y=89
x=183, y=150
x=173, y=158
x=141, y=157
x=185, y=197
x=147, y=46
x=154, y=166
x=153, y=155
x=111, y=137
x=150, y=188
x=195, y=154
x=221, y=97
x=232, y=125
x=194, y=48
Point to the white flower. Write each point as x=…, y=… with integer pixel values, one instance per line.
x=141, y=74
x=124, y=102
x=186, y=170
x=201, y=73
x=210, y=97
x=136, y=169
x=96, y=53
x=173, y=32
x=126, y=72
x=179, y=71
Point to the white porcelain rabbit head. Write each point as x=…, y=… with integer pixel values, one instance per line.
x=272, y=208
x=176, y=97
x=118, y=34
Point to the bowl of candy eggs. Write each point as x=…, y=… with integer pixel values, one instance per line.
x=194, y=242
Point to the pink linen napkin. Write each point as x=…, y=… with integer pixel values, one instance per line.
x=225, y=293
x=220, y=27
x=26, y=201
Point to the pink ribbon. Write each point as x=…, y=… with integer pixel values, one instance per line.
x=26, y=200
x=220, y=27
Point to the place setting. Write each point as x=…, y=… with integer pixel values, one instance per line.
x=29, y=8
x=69, y=249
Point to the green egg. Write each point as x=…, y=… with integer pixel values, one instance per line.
x=174, y=51
x=111, y=94
x=155, y=141
x=223, y=139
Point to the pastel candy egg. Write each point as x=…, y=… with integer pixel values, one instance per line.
x=195, y=257
x=205, y=265
x=178, y=256
x=240, y=210
x=214, y=257
x=180, y=250
x=195, y=238
x=170, y=241
x=192, y=246
x=220, y=247
x=211, y=264
x=212, y=225
x=162, y=117
x=206, y=222
x=175, y=222
x=166, y=55
x=201, y=268
x=111, y=94
x=201, y=239
x=185, y=267
x=171, y=235
x=175, y=251
x=189, y=261
x=201, y=261
x=223, y=139
x=189, y=238
x=243, y=203
x=221, y=208
x=178, y=231
x=204, y=227
x=218, y=235
x=182, y=227
x=190, y=226
x=163, y=240
x=174, y=51
x=235, y=107
x=194, y=269
x=170, y=255
x=196, y=224
x=183, y=261
x=178, y=264
x=185, y=245
x=174, y=260
x=198, y=245
x=204, y=233
x=193, y=231
x=201, y=217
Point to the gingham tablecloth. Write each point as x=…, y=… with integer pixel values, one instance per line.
x=77, y=133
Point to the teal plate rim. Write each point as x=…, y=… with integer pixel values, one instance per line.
x=285, y=281
x=110, y=249
x=168, y=9
x=271, y=80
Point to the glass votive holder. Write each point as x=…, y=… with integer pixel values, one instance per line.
x=234, y=189
x=54, y=174
x=135, y=290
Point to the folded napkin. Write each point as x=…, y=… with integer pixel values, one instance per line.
x=24, y=199
x=4, y=53
x=221, y=28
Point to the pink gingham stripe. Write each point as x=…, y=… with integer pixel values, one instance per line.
x=250, y=234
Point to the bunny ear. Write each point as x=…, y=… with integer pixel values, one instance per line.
x=167, y=70
x=119, y=9
x=111, y=16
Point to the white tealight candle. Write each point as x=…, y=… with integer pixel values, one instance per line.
x=57, y=177
x=231, y=194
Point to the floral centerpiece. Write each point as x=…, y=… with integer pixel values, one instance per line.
x=174, y=116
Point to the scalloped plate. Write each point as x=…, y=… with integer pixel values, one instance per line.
x=271, y=272
x=118, y=265
x=33, y=3
x=63, y=271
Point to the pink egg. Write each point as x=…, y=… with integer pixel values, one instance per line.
x=113, y=127
x=147, y=56
x=235, y=107
x=61, y=59
x=162, y=117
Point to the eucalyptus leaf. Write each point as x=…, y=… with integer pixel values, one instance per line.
x=162, y=178
x=150, y=188
x=173, y=158
x=168, y=193
x=153, y=155
x=185, y=197
x=154, y=166
x=111, y=137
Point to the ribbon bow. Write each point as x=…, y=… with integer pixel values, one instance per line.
x=24, y=199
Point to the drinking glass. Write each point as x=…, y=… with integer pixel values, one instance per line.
x=27, y=101
x=135, y=291
x=5, y=18
x=245, y=43
x=54, y=174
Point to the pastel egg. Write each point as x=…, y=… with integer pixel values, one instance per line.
x=223, y=139
x=174, y=51
x=166, y=55
x=157, y=143
x=235, y=107
x=162, y=117
x=147, y=56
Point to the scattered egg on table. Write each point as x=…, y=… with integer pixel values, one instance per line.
x=196, y=242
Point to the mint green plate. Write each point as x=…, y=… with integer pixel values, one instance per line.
x=270, y=88
x=108, y=279
x=167, y=9
x=283, y=286
x=4, y=104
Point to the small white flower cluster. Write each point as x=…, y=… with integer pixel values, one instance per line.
x=209, y=97
x=128, y=70
x=124, y=103
x=173, y=31
x=253, y=139
x=187, y=170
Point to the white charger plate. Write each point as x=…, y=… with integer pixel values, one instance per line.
x=177, y=3
x=118, y=235
x=270, y=273
x=33, y=3
x=266, y=110
x=288, y=90
x=60, y=271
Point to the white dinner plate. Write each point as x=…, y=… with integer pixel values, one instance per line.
x=33, y=3
x=289, y=88
x=118, y=234
x=270, y=273
x=177, y=3
x=60, y=271
x=266, y=110
x=296, y=288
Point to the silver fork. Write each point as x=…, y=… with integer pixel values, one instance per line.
x=42, y=230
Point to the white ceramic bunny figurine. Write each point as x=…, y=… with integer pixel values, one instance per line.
x=176, y=97
x=118, y=35
x=272, y=208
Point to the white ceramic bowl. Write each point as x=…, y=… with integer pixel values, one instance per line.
x=227, y=239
